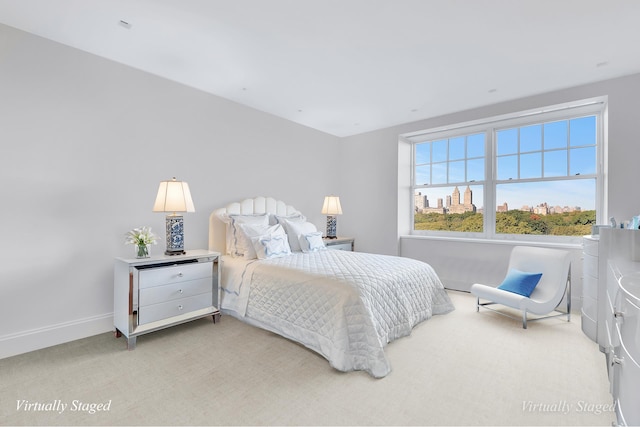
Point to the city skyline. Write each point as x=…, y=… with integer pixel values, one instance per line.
x=574, y=195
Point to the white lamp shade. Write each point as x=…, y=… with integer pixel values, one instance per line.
x=173, y=196
x=331, y=206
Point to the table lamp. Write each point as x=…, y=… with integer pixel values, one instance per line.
x=331, y=208
x=173, y=197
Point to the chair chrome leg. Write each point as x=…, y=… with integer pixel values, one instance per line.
x=524, y=319
x=568, y=293
x=477, y=304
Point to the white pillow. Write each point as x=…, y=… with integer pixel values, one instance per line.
x=296, y=217
x=281, y=219
x=236, y=246
x=272, y=245
x=296, y=228
x=312, y=242
x=246, y=233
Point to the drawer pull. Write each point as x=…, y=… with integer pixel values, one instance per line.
x=180, y=307
x=618, y=314
x=617, y=360
x=180, y=274
x=180, y=291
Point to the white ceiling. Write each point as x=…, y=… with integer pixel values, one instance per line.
x=350, y=66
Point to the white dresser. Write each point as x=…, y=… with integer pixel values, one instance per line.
x=618, y=315
x=623, y=336
x=162, y=291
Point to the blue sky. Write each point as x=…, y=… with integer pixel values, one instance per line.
x=569, y=150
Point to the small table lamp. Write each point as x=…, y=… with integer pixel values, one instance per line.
x=331, y=208
x=174, y=196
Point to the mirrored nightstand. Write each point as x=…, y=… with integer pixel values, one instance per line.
x=340, y=243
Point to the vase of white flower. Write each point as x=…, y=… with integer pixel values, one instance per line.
x=141, y=238
x=142, y=251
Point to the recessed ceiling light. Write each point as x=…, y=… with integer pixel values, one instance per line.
x=125, y=24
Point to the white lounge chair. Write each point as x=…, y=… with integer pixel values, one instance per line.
x=554, y=284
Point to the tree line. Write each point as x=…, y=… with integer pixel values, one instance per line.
x=576, y=223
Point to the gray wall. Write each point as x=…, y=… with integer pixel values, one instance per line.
x=85, y=143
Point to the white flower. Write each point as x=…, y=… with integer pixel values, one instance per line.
x=140, y=236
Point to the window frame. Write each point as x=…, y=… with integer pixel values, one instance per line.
x=590, y=107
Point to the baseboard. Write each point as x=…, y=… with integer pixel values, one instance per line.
x=36, y=339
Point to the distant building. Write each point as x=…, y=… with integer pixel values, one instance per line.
x=466, y=206
x=541, y=209
x=437, y=209
x=422, y=205
x=453, y=204
x=545, y=209
x=468, y=197
x=420, y=202
x=566, y=209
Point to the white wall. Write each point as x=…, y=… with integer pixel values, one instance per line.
x=377, y=220
x=85, y=143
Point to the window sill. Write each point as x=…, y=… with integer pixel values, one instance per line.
x=510, y=242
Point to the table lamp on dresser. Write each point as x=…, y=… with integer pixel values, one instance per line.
x=331, y=208
x=174, y=197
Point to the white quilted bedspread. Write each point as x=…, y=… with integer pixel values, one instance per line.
x=344, y=305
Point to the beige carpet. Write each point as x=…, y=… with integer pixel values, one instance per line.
x=463, y=368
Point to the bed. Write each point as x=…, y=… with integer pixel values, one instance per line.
x=346, y=306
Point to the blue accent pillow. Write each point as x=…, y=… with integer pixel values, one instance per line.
x=520, y=282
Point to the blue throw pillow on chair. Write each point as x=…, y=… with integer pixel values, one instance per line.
x=520, y=282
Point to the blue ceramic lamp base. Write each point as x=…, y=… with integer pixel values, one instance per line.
x=332, y=222
x=175, y=235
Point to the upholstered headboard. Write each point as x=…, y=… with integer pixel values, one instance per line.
x=257, y=205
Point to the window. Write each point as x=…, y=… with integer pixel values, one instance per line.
x=539, y=171
x=441, y=166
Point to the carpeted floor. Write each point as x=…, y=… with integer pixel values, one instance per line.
x=462, y=368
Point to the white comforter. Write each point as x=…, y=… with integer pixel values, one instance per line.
x=344, y=305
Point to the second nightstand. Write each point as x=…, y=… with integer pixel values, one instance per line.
x=340, y=243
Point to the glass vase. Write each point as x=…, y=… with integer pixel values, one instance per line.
x=142, y=251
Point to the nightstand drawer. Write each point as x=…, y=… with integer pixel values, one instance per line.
x=165, y=310
x=340, y=247
x=175, y=273
x=159, y=294
x=339, y=243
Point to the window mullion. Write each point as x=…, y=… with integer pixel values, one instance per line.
x=489, y=214
x=568, y=150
